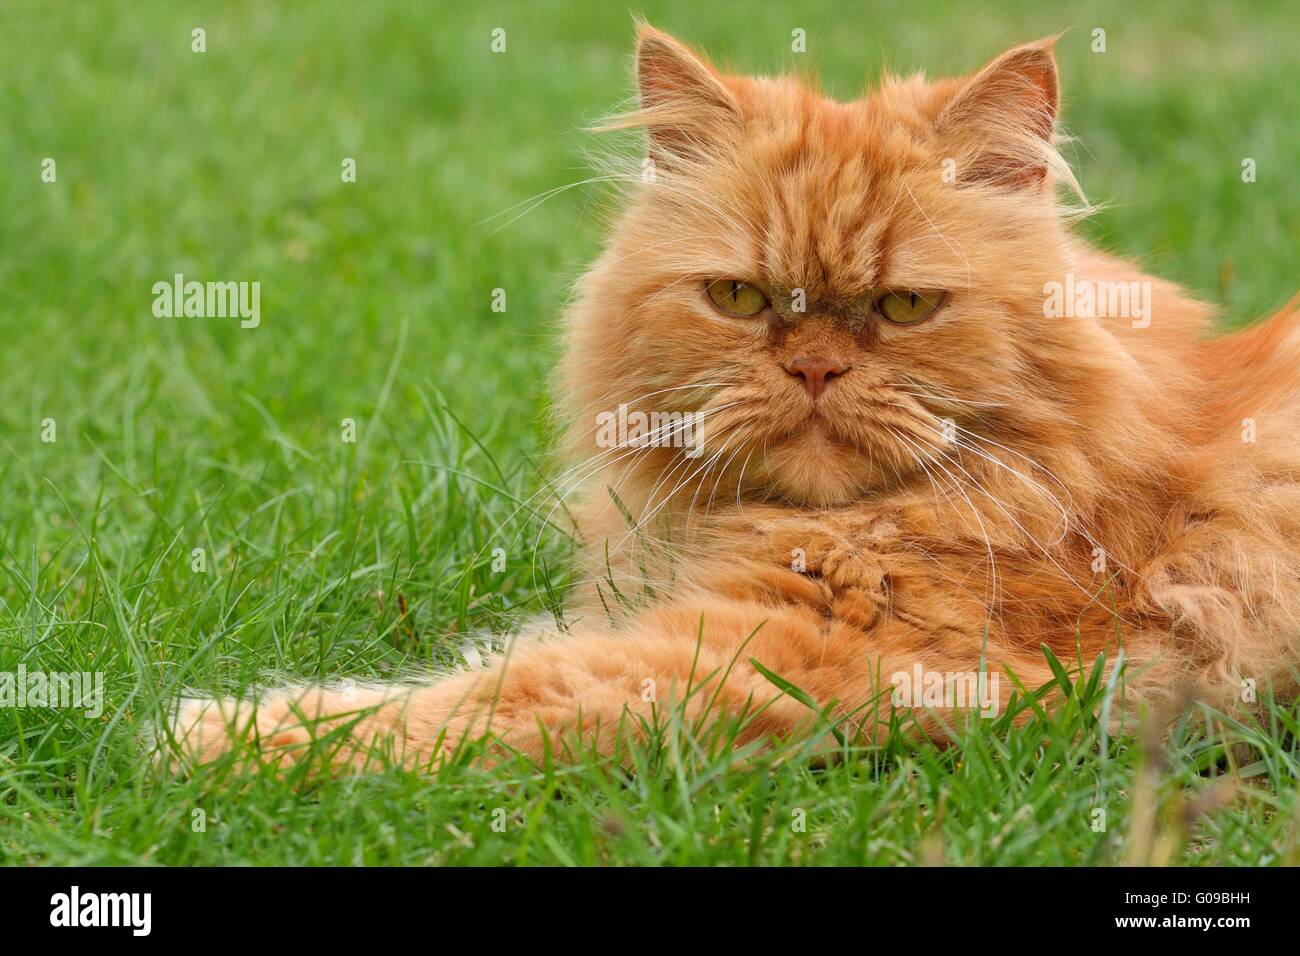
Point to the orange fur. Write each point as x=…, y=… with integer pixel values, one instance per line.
x=1067, y=438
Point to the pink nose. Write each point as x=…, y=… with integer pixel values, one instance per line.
x=815, y=370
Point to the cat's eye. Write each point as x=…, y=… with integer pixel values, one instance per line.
x=735, y=297
x=905, y=308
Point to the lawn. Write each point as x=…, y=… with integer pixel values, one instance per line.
x=181, y=508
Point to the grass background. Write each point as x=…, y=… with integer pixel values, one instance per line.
x=194, y=433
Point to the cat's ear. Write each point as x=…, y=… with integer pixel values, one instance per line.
x=686, y=108
x=1001, y=121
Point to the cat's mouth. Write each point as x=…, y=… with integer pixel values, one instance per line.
x=828, y=458
x=815, y=453
x=818, y=425
x=815, y=465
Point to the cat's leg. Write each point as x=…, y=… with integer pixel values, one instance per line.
x=587, y=690
x=289, y=724
x=580, y=691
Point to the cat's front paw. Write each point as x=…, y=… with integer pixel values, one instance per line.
x=844, y=567
x=833, y=559
x=334, y=725
x=205, y=730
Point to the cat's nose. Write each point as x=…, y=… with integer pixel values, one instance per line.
x=815, y=370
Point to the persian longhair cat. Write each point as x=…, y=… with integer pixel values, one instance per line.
x=931, y=432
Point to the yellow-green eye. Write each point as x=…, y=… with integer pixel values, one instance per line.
x=735, y=297
x=908, y=307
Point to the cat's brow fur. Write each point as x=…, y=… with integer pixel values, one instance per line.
x=973, y=487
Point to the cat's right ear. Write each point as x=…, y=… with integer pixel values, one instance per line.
x=685, y=106
x=1000, y=124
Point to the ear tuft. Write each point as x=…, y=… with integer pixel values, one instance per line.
x=1003, y=118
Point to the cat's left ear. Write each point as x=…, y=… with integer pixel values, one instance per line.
x=1000, y=124
x=685, y=106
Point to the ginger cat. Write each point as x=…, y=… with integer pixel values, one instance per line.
x=929, y=428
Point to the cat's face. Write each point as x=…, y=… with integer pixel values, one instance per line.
x=840, y=290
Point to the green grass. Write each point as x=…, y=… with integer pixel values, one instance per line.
x=177, y=434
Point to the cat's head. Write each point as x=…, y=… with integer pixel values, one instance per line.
x=832, y=292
